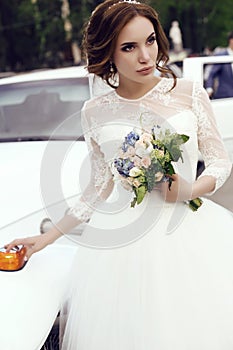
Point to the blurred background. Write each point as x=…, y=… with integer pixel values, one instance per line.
x=38, y=34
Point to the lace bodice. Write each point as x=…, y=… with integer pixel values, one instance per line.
x=186, y=109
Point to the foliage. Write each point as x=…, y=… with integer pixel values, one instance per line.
x=203, y=23
x=32, y=33
x=79, y=14
x=50, y=27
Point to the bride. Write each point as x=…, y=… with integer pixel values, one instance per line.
x=156, y=276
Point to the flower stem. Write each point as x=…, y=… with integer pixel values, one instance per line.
x=194, y=204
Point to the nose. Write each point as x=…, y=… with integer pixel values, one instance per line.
x=144, y=55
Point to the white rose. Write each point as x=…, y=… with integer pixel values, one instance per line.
x=135, y=171
x=158, y=176
x=144, y=151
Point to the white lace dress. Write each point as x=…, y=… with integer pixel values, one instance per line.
x=157, y=276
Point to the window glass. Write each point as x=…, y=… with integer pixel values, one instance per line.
x=42, y=109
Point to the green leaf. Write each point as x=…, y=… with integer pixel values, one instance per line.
x=140, y=191
x=185, y=138
x=169, y=169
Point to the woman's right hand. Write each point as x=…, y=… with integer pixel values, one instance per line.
x=36, y=243
x=32, y=244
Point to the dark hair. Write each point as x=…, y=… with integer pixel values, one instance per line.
x=102, y=31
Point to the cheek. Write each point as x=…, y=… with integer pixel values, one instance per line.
x=123, y=61
x=155, y=50
x=116, y=59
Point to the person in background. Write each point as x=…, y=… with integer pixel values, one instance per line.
x=219, y=83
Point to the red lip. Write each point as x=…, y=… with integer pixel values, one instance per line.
x=145, y=69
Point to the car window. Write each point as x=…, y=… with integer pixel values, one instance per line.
x=42, y=109
x=222, y=91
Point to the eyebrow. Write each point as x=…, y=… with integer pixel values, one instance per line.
x=134, y=42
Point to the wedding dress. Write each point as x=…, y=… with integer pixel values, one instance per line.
x=158, y=276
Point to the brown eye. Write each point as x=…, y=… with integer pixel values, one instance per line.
x=127, y=48
x=151, y=40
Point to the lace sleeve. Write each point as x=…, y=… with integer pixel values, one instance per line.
x=101, y=180
x=217, y=162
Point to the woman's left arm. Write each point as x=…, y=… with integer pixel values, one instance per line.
x=216, y=160
x=217, y=163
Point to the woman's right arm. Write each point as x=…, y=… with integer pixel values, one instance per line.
x=34, y=244
x=76, y=215
x=97, y=191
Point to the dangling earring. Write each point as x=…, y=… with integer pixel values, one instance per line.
x=111, y=67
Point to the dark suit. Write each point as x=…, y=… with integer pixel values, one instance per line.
x=223, y=72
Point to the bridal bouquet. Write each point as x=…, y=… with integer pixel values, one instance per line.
x=145, y=160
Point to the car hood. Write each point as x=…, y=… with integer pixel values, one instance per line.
x=28, y=171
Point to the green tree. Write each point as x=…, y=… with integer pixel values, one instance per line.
x=49, y=32
x=31, y=34
x=80, y=11
x=17, y=32
x=203, y=23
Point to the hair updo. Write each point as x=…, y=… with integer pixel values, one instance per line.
x=102, y=31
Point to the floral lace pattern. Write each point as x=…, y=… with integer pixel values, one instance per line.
x=211, y=146
x=186, y=107
x=163, y=92
x=81, y=211
x=100, y=177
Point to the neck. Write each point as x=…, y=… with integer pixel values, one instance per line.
x=134, y=91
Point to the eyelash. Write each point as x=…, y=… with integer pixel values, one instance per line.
x=129, y=48
x=151, y=40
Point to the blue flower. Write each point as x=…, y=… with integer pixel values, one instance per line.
x=124, y=147
x=123, y=166
x=130, y=140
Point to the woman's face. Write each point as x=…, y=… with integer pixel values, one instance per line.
x=136, y=51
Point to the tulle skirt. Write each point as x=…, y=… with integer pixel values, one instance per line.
x=164, y=291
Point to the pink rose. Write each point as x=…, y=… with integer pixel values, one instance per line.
x=146, y=137
x=130, y=151
x=146, y=162
x=137, y=161
x=140, y=143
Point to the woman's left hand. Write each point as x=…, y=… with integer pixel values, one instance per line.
x=180, y=189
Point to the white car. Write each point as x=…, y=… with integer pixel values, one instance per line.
x=38, y=111
x=41, y=151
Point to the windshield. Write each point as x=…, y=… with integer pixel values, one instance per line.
x=40, y=110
